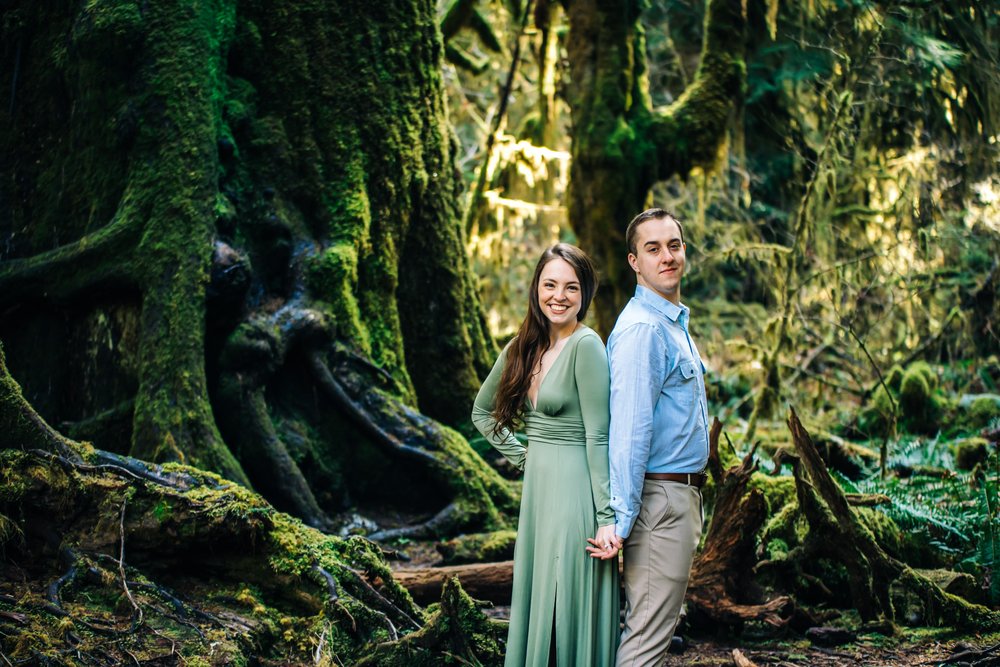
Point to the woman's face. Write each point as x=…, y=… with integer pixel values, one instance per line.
x=559, y=293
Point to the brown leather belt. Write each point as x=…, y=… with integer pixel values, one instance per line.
x=695, y=479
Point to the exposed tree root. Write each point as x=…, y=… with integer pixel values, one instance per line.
x=379, y=437
x=441, y=523
x=93, y=261
x=836, y=533
x=458, y=630
x=267, y=586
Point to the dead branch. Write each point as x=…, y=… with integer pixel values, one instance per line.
x=720, y=591
x=121, y=566
x=741, y=660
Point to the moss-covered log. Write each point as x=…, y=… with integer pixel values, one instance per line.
x=621, y=146
x=206, y=198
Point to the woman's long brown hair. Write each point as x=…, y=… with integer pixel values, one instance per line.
x=532, y=338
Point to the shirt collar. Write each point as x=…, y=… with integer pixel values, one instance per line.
x=661, y=305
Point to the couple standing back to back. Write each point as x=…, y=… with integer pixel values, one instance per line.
x=617, y=446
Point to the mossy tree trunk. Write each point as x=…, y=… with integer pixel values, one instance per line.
x=621, y=145
x=207, y=202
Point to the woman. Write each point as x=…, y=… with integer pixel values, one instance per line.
x=553, y=377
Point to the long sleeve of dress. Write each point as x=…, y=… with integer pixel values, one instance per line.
x=504, y=442
x=593, y=381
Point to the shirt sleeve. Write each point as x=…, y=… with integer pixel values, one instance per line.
x=593, y=383
x=638, y=360
x=504, y=441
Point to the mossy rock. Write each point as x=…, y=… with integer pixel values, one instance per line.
x=478, y=547
x=920, y=409
x=894, y=378
x=970, y=452
x=983, y=410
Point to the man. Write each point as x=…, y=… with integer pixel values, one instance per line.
x=658, y=439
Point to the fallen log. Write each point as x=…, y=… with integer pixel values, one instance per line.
x=483, y=581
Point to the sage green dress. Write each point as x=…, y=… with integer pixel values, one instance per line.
x=565, y=498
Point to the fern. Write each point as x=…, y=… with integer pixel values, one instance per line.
x=989, y=541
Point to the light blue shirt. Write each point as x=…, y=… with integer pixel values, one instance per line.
x=659, y=413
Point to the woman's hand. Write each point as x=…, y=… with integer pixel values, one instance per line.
x=605, y=544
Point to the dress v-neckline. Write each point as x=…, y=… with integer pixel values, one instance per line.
x=541, y=382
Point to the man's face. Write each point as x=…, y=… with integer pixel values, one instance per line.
x=659, y=259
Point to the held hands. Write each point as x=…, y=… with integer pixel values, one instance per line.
x=605, y=544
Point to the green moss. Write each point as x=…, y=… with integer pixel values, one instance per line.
x=923, y=369
x=332, y=276
x=970, y=452
x=779, y=491
x=983, y=411
x=920, y=411
x=894, y=378
x=884, y=529
x=478, y=547
x=787, y=525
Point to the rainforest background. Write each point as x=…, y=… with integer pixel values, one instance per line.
x=255, y=259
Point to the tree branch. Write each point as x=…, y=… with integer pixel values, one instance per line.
x=98, y=259
x=689, y=132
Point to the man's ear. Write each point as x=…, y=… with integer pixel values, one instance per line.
x=633, y=261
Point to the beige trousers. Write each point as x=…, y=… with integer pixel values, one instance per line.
x=658, y=555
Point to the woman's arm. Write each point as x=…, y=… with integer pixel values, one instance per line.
x=504, y=441
x=593, y=381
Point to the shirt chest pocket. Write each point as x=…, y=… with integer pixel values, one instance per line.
x=682, y=384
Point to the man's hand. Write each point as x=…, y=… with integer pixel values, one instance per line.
x=605, y=544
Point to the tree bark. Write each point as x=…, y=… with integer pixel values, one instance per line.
x=197, y=189
x=621, y=146
x=483, y=581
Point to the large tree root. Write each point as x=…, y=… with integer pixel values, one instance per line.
x=836, y=533
x=479, y=497
x=108, y=555
x=93, y=261
x=458, y=631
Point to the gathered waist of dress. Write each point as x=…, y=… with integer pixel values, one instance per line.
x=546, y=429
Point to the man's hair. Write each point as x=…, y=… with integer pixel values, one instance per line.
x=648, y=214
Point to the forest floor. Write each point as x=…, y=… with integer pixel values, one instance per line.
x=873, y=651
x=912, y=647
